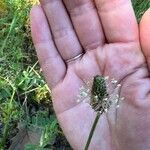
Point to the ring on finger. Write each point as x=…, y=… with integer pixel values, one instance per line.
x=74, y=58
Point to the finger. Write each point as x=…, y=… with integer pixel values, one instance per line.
x=118, y=20
x=62, y=30
x=145, y=35
x=86, y=23
x=50, y=60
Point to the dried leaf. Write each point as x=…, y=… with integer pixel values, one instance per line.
x=23, y=137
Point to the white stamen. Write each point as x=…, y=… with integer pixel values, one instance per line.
x=122, y=98
x=84, y=94
x=119, y=85
x=117, y=106
x=116, y=101
x=113, y=81
x=105, y=99
x=106, y=110
x=107, y=77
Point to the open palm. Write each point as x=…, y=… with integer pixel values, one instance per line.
x=107, y=34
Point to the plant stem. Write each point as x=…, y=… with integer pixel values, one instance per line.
x=92, y=131
x=9, y=32
x=7, y=124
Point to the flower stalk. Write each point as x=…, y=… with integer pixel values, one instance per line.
x=92, y=130
x=99, y=99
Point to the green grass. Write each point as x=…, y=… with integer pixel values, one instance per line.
x=140, y=7
x=25, y=103
x=23, y=91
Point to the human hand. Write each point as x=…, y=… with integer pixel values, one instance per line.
x=107, y=33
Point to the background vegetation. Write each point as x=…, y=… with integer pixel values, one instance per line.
x=27, y=118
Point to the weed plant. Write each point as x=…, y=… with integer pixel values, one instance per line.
x=25, y=102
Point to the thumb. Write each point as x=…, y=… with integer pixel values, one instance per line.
x=145, y=35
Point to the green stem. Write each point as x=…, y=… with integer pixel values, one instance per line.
x=92, y=131
x=9, y=32
x=6, y=129
x=7, y=125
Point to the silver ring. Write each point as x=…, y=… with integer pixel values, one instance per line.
x=74, y=58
